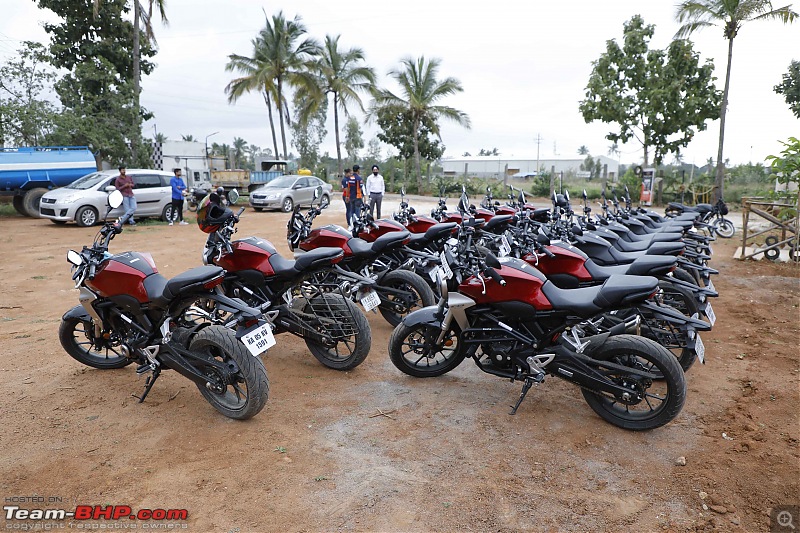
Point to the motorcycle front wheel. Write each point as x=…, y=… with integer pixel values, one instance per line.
x=662, y=400
x=77, y=338
x=413, y=294
x=413, y=350
x=725, y=228
x=248, y=393
x=340, y=319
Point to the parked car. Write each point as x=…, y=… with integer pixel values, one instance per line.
x=85, y=199
x=287, y=191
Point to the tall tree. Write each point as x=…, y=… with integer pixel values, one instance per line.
x=239, y=147
x=142, y=22
x=730, y=14
x=187, y=138
x=353, y=138
x=341, y=74
x=790, y=88
x=308, y=131
x=373, y=151
x=398, y=130
x=657, y=97
x=583, y=150
x=421, y=90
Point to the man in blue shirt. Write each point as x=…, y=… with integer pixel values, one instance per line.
x=178, y=189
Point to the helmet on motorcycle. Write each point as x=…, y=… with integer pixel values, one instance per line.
x=210, y=214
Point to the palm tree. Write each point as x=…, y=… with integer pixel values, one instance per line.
x=583, y=150
x=341, y=74
x=187, y=138
x=421, y=90
x=142, y=19
x=160, y=138
x=730, y=14
x=239, y=147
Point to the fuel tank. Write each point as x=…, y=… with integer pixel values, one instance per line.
x=568, y=261
x=252, y=253
x=421, y=224
x=123, y=275
x=325, y=236
x=523, y=284
x=384, y=226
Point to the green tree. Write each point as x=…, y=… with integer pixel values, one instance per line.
x=353, y=138
x=583, y=150
x=373, y=152
x=26, y=115
x=786, y=169
x=730, y=14
x=421, y=90
x=398, y=130
x=160, y=138
x=187, y=138
x=308, y=132
x=790, y=88
x=657, y=97
x=342, y=74
x=239, y=148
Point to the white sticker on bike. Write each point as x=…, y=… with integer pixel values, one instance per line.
x=700, y=349
x=448, y=273
x=505, y=247
x=433, y=273
x=259, y=340
x=371, y=301
x=709, y=311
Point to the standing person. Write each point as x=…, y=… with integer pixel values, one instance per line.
x=376, y=189
x=345, y=199
x=178, y=190
x=354, y=194
x=124, y=184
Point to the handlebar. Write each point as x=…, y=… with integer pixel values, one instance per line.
x=492, y=273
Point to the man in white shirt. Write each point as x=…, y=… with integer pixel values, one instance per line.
x=375, y=188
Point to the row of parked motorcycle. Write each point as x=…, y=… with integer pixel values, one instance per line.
x=613, y=302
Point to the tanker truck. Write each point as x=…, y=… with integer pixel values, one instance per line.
x=29, y=172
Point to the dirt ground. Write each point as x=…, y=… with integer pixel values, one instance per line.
x=447, y=457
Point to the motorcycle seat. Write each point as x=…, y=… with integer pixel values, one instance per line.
x=319, y=257
x=362, y=248
x=389, y=241
x=666, y=248
x=648, y=265
x=440, y=230
x=162, y=291
x=498, y=221
x=617, y=291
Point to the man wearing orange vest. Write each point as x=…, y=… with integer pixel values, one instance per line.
x=353, y=195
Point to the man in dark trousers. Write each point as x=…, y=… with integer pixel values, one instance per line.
x=354, y=194
x=347, y=173
x=178, y=190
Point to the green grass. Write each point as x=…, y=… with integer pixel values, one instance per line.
x=7, y=210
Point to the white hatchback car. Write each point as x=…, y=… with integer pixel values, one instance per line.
x=85, y=199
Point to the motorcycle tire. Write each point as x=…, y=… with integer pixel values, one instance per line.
x=725, y=228
x=341, y=317
x=414, y=355
x=643, y=354
x=249, y=394
x=399, y=306
x=76, y=338
x=681, y=300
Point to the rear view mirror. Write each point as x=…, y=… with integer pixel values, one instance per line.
x=110, y=188
x=115, y=199
x=233, y=196
x=543, y=239
x=318, y=193
x=402, y=191
x=74, y=257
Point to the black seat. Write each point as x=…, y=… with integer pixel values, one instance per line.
x=497, y=221
x=602, y=273
x=616, y=291
x=418, y=240
x=440, y=230
x=154, y=286
x=361, y=248
x=162, y=291
x=389, y=241
x=316, y=258
x=666, y=248
x=651, y=265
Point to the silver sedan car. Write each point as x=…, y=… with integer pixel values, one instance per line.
x=287, y=191
x=85, y=199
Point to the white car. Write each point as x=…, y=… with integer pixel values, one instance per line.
x=85, y=199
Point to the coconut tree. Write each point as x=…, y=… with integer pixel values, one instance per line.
x=340, y=73
x=421, y=90
x=730, y=15
x=239, y=147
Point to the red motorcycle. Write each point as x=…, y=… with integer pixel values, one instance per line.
x=129, y=313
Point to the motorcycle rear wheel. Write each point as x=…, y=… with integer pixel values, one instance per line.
x=399, y=305
x=349, y=325
x=245, y=397
x=76, y=337
x=413, y=354
x=664, y=398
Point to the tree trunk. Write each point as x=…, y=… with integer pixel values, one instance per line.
x=279, y=105
x=136, y=75
x=336, y=127
x=271, y=124
x=417, y=156
x=719, y=180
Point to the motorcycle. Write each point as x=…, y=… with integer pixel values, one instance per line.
x=129, y=313
x=515, y=325
x=709, y=217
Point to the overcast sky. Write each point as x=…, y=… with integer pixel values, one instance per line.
x=523, y=65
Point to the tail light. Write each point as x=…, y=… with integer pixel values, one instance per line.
x=249, y=323
x=210, y=284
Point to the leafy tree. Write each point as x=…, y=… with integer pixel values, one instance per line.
x=583, y=150
x=26, y=115
x=421, y=90
x=730, y=14
x=657, y=97
x=487, y=152
x=97, y=92
x=790, y=88
x=466, y=154
x=373, y=151
x=398, y=130
x=308, y=131
x=187, y=138
x=353, y=138
x=341, y=74
x=160, y=138
x=786, y=169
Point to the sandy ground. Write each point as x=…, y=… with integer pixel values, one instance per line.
x=447, y=457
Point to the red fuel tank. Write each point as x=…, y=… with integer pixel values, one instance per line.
x=252, y=253
x=330, y=235
x=523, y=284
x=568, y=260
x=384, y=226
x=421, y=224
x=123, y=274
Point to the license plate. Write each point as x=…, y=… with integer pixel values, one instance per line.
x=259, y=340
x=700, y=348
x=709, y=311
x=446, y=271
x=505, y=248
x=371, y=301
x=710, y=285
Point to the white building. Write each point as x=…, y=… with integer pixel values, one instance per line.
x=498, y=167
x=189, y=156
